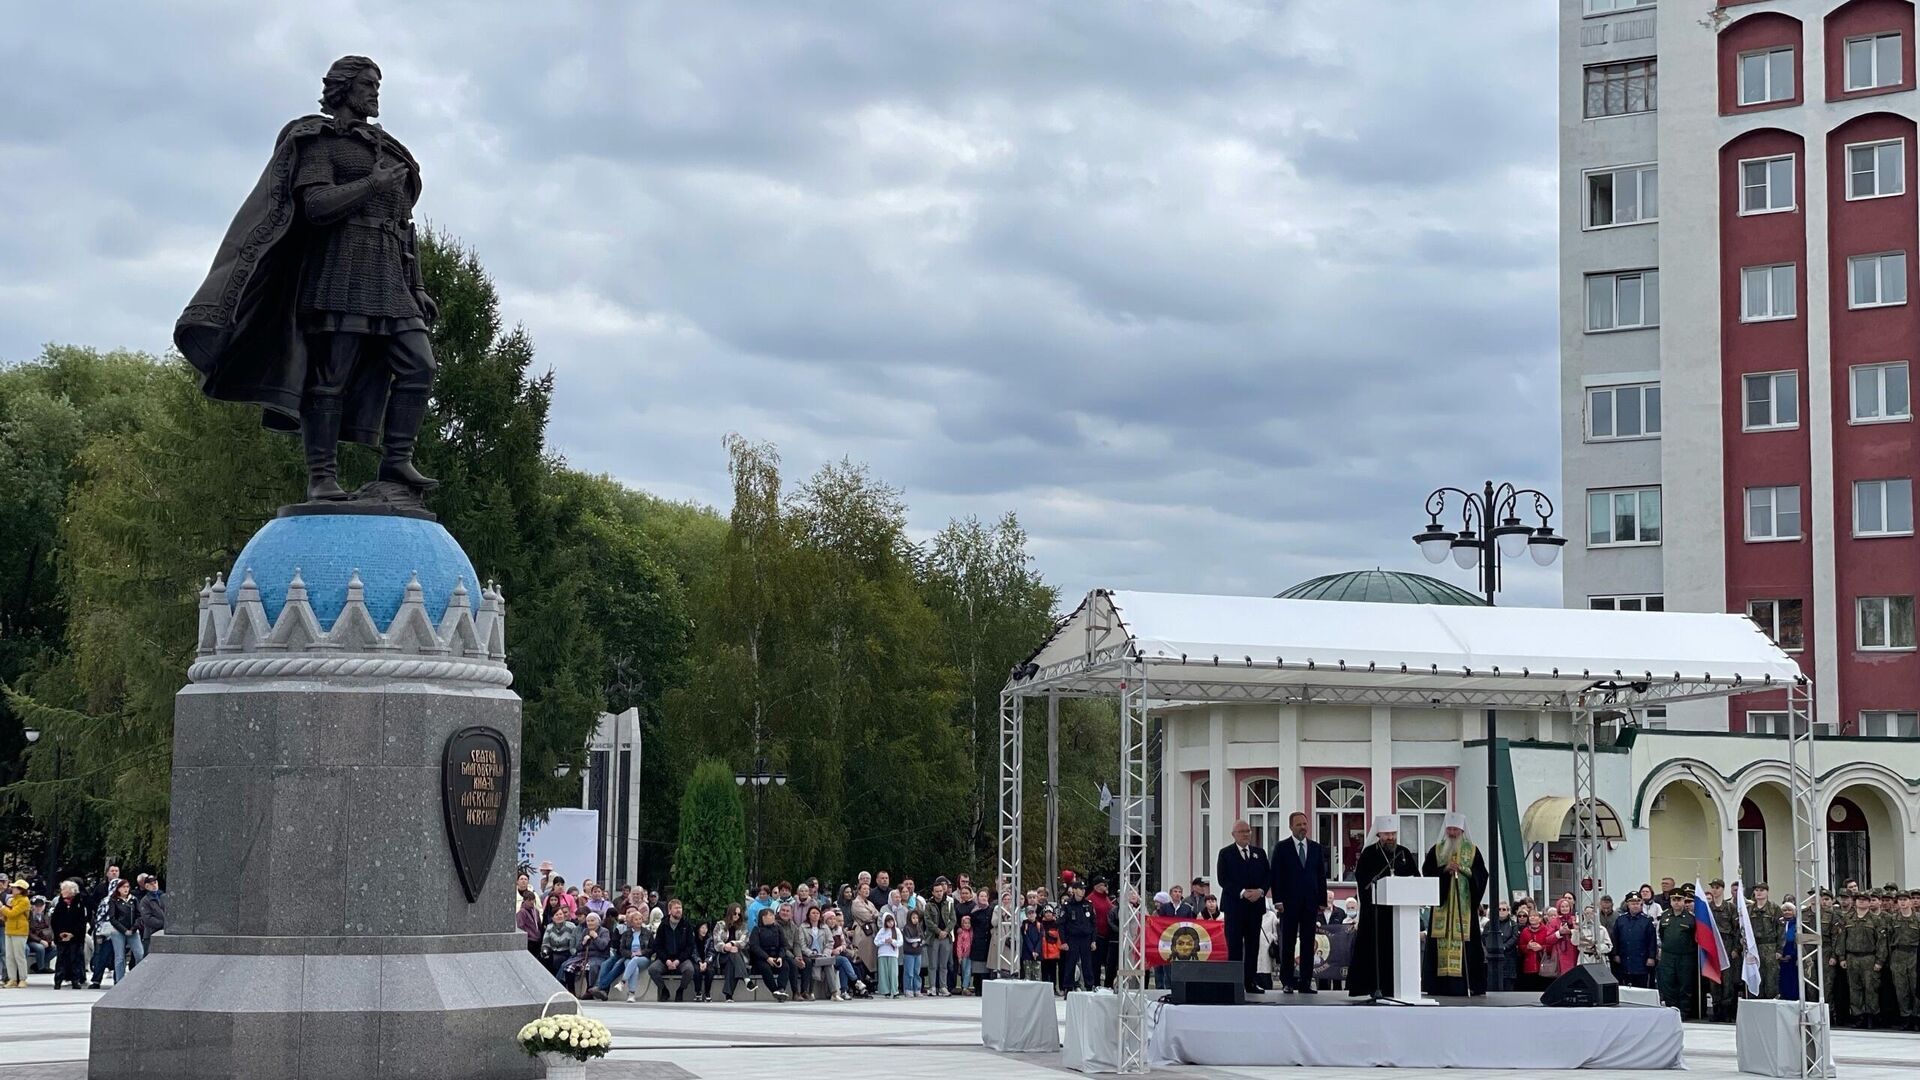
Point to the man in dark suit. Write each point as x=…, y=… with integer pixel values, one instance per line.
x=1244, y=875
x=1299, y=889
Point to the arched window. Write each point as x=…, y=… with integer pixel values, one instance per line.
x=1753, y=844
x=1264, y=812
x=1202, y=858
x=1422, y=804
x=1340, y=823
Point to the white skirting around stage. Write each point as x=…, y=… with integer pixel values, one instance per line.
x=1408, y=1037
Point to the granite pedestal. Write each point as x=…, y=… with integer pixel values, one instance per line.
x=317, y=924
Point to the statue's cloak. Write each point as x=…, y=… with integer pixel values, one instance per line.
x=241, y=330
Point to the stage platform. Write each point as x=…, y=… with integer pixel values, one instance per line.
x=1331, y=1030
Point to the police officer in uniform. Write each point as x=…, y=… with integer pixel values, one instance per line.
x=1077, y=933
x=1677, y=958
x=1769, y=936
x=1863, y=954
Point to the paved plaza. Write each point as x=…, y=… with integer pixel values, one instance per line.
x=43, y=1036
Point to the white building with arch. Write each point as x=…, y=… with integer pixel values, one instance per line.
x=1680, y=804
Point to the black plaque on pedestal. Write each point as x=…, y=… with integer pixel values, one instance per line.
x=476, y=774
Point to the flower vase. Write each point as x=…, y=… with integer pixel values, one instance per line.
x=563, y=1066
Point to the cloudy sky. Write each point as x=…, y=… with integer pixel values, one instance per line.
x=1210, y=292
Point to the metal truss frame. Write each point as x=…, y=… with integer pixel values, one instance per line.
x=1816, y=1036
x=1586, y=817
x=1013, y=760
x=1110, y=667
x=1130, y=980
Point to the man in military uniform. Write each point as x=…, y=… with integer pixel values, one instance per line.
x=1841, y=914
x=1678, y=963
x=1903, y=955
x=1727, y=917
x=1863, y=954
x=1769, y=935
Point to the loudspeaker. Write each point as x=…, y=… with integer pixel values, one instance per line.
x=1206, y=982
x=1586, y=985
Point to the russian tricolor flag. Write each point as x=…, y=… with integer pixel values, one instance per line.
x=1706, y=935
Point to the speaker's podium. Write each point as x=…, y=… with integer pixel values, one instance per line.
x=1406, y=896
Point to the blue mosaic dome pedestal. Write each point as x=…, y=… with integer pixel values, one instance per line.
x=327, y=549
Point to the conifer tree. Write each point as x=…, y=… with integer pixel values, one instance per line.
x=710, y=863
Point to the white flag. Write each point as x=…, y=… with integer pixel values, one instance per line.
x=1750, y=955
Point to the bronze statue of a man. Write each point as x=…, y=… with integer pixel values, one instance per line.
x=315, y=309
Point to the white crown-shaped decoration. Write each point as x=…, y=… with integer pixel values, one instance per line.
x=238, y=641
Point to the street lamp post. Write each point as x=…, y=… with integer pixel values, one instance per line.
x=1490, y=530
x=52, y=867
x=759, y=778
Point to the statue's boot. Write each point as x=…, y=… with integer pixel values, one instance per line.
x=406, y=408
x=320, y=432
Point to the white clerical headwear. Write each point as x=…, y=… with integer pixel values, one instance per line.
x=1386, y=823
x=1456, y=821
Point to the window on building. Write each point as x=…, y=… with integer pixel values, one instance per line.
x=1876, y=170
x=1753, y=842
x=1623, y=196
x=1772, y=400
x=1880, y=393
x=1603, y=7
x=1422, y=804
x=1623, y=516
x=1877, y=280
x=1884, y=622
x=1766, y=185
x=1264, y=811
x=1773, y=513
x=1766, y=722
x=1766, y=76
x=1628, y=300
x=1883, y=507
x=1767, y=292
x=1652, y=717
x=1779, y=619
x=1623, y=412
x=1639, y=602
x=1872, y=62
x=1618, y=89
x=1903, y=725
x=1340, y=823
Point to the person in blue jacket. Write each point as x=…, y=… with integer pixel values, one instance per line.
x=1636, y=944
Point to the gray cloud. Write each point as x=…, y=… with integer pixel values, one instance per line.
x=1210, y=292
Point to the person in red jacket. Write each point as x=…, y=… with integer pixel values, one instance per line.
x=1536, y=940
x=1106, y=951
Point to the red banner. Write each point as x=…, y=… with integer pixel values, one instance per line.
x=1170, y=937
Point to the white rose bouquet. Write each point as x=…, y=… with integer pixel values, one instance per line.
x=568, y=1035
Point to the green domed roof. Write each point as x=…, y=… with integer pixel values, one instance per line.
x=1383, y=587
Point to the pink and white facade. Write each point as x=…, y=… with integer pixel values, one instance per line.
x=1739, y=237
x=1738, y=247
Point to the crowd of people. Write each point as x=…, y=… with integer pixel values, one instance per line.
x=1871, y=957
x=868, y=938
x=82, y=931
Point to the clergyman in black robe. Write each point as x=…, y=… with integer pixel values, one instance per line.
x=1371, y=969
x=1454, y=951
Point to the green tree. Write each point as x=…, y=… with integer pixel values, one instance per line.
x=162, y=489
x=993, y=610
x=709, y=863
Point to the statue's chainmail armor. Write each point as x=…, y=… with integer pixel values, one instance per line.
x=356, y=266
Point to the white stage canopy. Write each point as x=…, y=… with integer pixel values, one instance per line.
x=1215, y=648
x=1149, y=650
